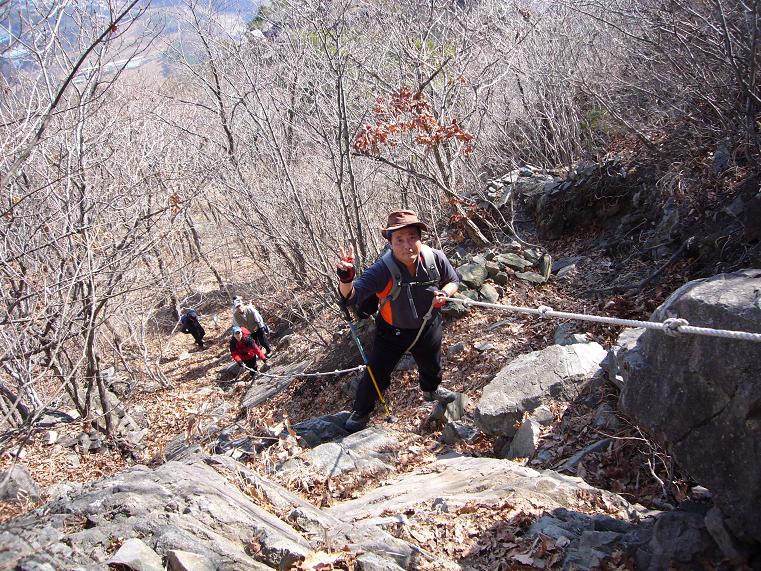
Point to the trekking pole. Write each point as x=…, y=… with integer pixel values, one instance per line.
x=355, y=336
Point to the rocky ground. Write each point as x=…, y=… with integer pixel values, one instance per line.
x=484, y=340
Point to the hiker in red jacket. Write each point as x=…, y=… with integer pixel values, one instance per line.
x=244, y=349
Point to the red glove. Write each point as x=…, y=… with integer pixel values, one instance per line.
x=438, y=299
x=346, y=276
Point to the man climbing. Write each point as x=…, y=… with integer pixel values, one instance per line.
x=247, y=316
x=190, y=324
x=244, y=349
x=409, y=318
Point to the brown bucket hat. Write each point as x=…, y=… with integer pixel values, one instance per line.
x=401, y=218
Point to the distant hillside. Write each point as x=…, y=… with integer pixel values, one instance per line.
x=167, y=24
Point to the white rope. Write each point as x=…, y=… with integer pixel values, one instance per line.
x=671, y=327
x=296, y=374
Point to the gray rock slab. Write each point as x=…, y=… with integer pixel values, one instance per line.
x=611, y=365
x=361, y=452
x=488, y=293
x=230, y=372
x=473, y=274
x=554, y=372
x=51, y=418
x=543, y=415
x=17, y=484
x=532, y=277
x=325, y=428
x=178, y=560
x=492, y=268
x=561, y=263
x=371, y=439
x=136, y=555
x=277, y=495
x=186, y=506
x=456, y=309
x=263, y=388
x=501, y=278
x=565, y=270
x=371, y=539
x=373, y=562
x=680, y=538
x=532, y=255
x=455, y=431
x=525, y=441
x=455, y=349
x=456, y=409
x=321, y=523
x=588, y=540
x=463, y=478
x=701, y=396
x=482, y=346
x=332, y=459
x=180, y=449
x=513, y=261
x=565, y=335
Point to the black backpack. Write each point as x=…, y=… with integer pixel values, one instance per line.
x=371, y=304
x=190, y=316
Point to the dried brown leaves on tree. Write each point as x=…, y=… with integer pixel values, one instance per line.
x=407, y=114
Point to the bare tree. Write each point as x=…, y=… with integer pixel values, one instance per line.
x=70, y=230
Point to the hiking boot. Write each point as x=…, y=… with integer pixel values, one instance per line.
x=444, y=396
x=356, y=422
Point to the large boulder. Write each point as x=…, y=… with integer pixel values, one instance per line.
x=701, y=395
x=554, y=372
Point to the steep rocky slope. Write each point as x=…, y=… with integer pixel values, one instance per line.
x=405, y=480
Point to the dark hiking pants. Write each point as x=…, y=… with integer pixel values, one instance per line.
x=262, y=340
x=388, y=349
x=196, y=331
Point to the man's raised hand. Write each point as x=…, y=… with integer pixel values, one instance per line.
x=345, y=265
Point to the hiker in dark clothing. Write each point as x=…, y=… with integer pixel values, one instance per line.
x=244, y=349
x=189, y=324
x=415, y=310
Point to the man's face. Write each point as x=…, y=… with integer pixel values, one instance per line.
x=238, y=335
x=405, y=244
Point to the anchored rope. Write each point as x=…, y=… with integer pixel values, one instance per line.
x=325, y=374
x=672, y=327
